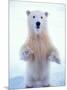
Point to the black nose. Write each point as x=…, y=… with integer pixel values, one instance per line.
x=38, y=23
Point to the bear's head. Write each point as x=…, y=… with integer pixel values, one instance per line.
x=37, y=21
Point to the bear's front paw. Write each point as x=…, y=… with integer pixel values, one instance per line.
x=54, y=57
x=25, y=54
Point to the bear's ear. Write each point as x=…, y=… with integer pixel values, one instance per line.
x=28, y=12
x=46, y=14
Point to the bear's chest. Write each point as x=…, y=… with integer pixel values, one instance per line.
x=39, y=49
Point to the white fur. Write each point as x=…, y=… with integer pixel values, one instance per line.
x=32, y=21
x=37, y=75
x=37, y=70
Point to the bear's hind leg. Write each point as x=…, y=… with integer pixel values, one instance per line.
x=45, y=82
x=29, y=83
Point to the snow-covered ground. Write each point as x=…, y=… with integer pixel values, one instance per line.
x=18, y=33
x=56, y=77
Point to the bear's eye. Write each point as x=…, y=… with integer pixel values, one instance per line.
x=41, y=17
x=33, y=16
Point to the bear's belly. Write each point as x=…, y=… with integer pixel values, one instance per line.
x=38, y=70
x=39, y=50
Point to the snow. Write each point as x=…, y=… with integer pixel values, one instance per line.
x=56, y=77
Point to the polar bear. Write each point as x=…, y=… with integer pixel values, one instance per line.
x=38, y=50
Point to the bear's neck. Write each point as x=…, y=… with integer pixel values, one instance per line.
x=42, y=35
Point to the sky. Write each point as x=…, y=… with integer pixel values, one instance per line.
x=18, y=31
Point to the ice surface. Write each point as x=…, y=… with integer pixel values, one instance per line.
x=56, y=77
